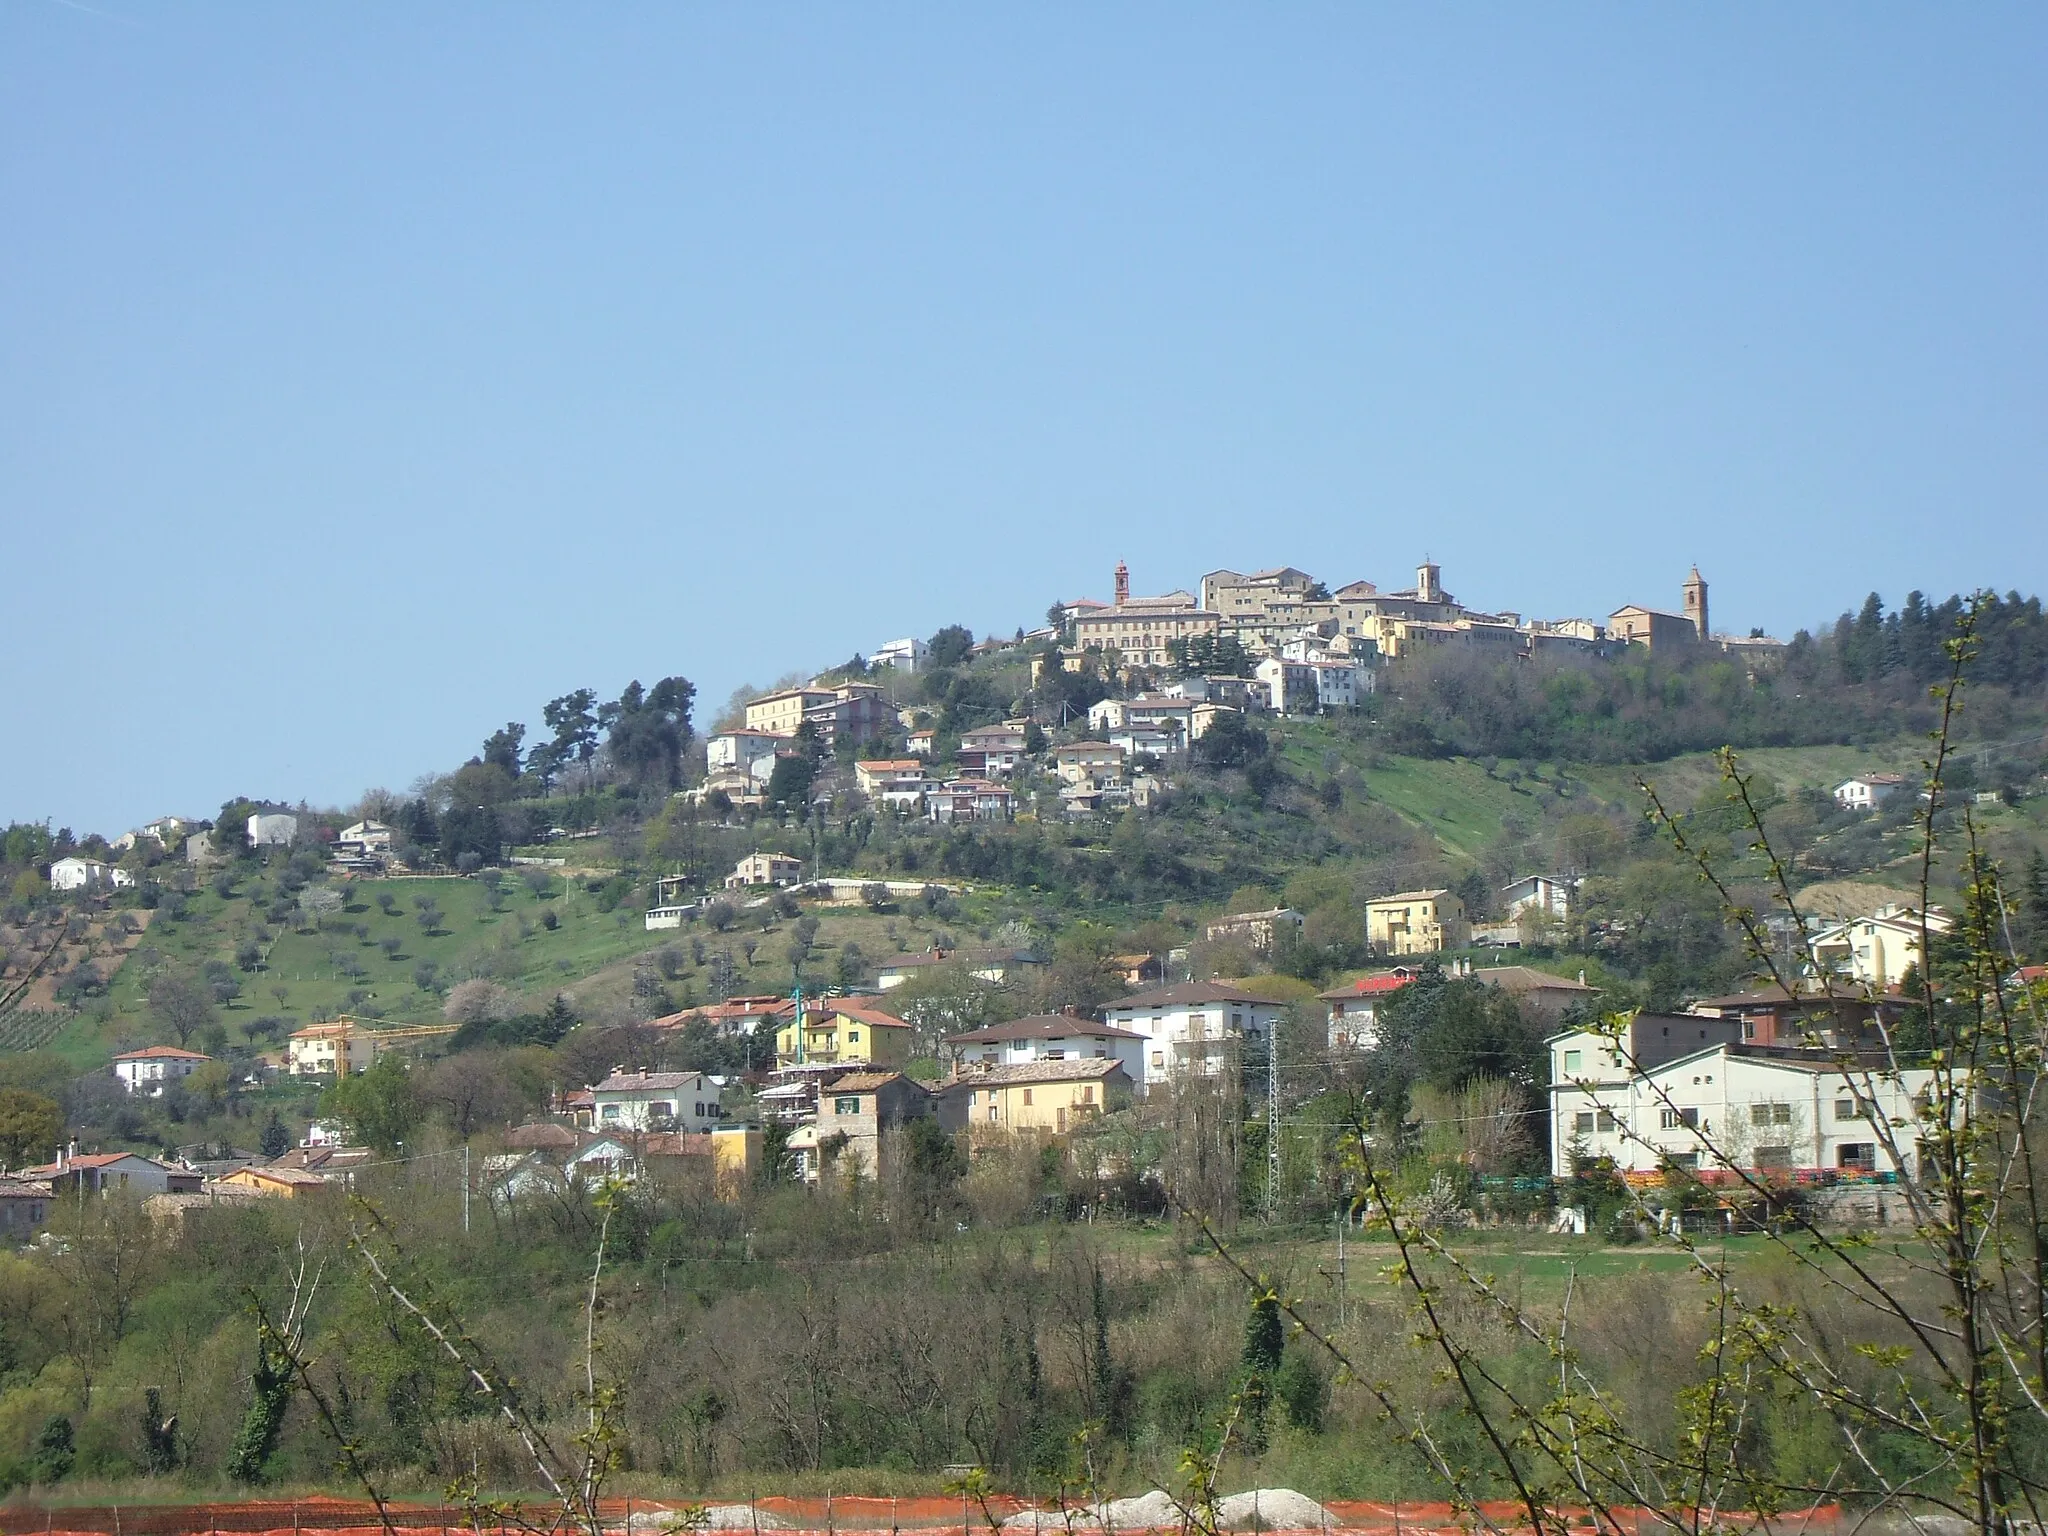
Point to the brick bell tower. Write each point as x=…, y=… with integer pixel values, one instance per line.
x=1123, y=583
x=1696, y=604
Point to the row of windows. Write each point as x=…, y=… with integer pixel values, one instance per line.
x=1585, y=1122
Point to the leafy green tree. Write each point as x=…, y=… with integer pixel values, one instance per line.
x=949, y=647
x=649, y=729
x=573, y=719
x=276, y=1140
x=381, y=1106
x=56, y=1450
x=502, y=747
x=29, y=1124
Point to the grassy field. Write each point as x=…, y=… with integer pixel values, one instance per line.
x=365, y=960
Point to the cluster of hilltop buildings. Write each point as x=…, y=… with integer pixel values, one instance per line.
x=1286, y=612
x=1276, y=640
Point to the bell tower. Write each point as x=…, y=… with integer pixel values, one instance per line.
x=1123, y=583
x=1696, y=604
x=1429, y=582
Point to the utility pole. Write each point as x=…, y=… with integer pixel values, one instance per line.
x=1272, y=1121
x=1343, y=1221
x=465, y=1189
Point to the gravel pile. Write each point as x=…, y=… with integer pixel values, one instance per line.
x=717, y=1517
x=1266, y=1509
x=1273, y=1509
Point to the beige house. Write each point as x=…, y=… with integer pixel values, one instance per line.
x=765, y=869
x=1088, y=762
x=345, y=1046
x=1261, y=930
x=1878, y=950
x=779, y=714
x=1417, y=923
x=321, y=1050
x=1049, y=1096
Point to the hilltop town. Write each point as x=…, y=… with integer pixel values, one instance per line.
x=1128, y=919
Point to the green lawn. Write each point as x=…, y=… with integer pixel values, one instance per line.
x=590, y=954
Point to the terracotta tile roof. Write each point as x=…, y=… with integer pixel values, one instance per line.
x=1367, y=986
x=1043, y=1026
x=298, y=1178
x=162, y=1053
x=1082, y=1069
x=867, y=1082
x=1526, y=978
x=874, y=1018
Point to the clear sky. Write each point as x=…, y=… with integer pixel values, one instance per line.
x=370, y=374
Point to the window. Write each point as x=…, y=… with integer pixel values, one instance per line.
x=661, y=1109
x=850, y=1105
x=1572, y=1060
x=1856, y=1157
x=1845, y=1109
x=1027, y=1095
x=1055, y=1055
x=1770, y=1114
x=609, y=1112
x=1607, y=1121
x=1774, y=1157
x=1673, y=1119
x=1583, y=1122
x=1088, y=1094
x=853, y=1037
x=1159, y=1058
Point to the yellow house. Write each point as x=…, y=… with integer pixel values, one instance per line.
x=1416, y=923
x=735, y=1158
x=280, y=1183
x=1051, y=1096
x=346, y=1045
x=779, y=714
x=836, y=1032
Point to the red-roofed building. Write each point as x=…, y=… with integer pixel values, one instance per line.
x=1354, y=1007
x=734, y=1016
x=147, y=1071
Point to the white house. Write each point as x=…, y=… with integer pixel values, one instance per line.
x=1727, y=1105
x=905, y=655
x=1289, y=686
x=1194, y=1026
x=1153, y=709
x=1047, y=1037
x=147, y=1071
x=273, y=829
x=364, y=838
x=748, y=752
x=74, y=873
x=1540, y=893
x=1868, y=791
x=1143, y=739
x=1339, y=683
x=1877, y=950
x=648, y=1101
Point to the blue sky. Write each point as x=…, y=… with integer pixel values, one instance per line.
x=371, y=374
